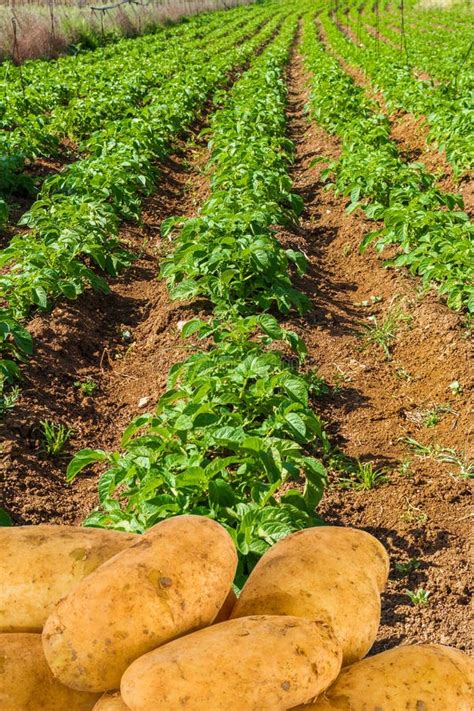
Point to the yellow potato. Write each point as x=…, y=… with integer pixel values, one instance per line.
x=427, y=677
x=263, y=663
x=26, y=682
x=112, y=701
x=324, y=573
x=173, y=581
x=226, y=609
x=39, y=565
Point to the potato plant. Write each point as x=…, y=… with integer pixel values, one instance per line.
x=430, y=226
x=235, y=424
x=72, y=242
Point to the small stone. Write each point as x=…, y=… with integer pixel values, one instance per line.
x=143, y=402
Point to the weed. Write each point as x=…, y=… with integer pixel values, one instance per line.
x=430, y=417
x=88, y=387
x=339, y=379
x=445, y=455
x=409, y=567
x=414, y=515
x=405, y=468
x=456, y=387
x=384, y=332
x=9, y=399
x=364, y=477
x=418, y=597
x=54, y=437
x=346, y=250
x=403, y=374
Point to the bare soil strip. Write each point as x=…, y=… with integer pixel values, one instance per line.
x=423, y=510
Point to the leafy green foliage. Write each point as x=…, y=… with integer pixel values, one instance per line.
x=232, y=429
x=429, y=225
x=234, y=436
x=72, y=242
x=229, y=253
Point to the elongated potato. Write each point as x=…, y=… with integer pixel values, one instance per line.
x=112, y=701
x=426, y=677
x=226, y=609
x=39, y=565
x=263, y=663
x=26, y=682
x=325, y=573
x=173, y=581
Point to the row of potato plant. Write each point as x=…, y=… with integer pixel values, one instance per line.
x=234, y=431
x=72, y=239
x=446, y=105
x=429, y=225
x=57, y=102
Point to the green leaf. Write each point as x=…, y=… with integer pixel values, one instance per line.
x=296, y=423
x=5, y=519
x=82, y=460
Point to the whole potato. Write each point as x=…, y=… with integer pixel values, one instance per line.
x=112, y=701
x=324, y=573
x=26, y=682
x=426, y=677
x=39, y=565
x=173, y=581
x=263, y=663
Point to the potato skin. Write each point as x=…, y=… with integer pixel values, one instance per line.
x=39, y=565
x=112, y=701
x=425, y=677
x=173, y=581
x=26, y=682
x=226, y=609
x=325, y=573
x=262, y=663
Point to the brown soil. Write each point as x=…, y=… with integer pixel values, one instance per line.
x=127, y=340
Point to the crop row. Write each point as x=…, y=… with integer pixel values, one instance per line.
x=446, y=105
x=75, y=221
x=429, y=225
x=429, y=47
x=57, y=102
x=234, y=425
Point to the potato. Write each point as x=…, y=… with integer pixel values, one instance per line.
x=112, y=701
x=226, y=609
x=262, y=663
x=26, y=682
x=39, y=565
x=173, y=581
x=428, y=677
x=325, y=573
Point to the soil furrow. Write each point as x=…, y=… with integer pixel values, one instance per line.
x=423, y=510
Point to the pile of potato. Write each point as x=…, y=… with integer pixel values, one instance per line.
x=103, y=620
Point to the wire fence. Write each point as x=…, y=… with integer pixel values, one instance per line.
x=31, y=30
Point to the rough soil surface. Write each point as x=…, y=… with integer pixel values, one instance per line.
x=126, y=341
x=423, y=510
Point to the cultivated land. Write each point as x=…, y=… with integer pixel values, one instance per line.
x=189, y=323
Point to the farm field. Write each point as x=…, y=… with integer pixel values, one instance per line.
x=237, y=280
